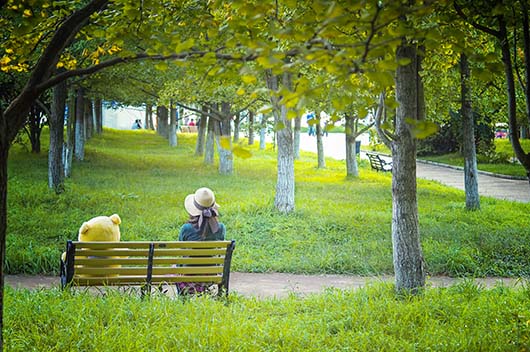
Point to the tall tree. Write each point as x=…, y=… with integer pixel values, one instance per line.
x=55, y=154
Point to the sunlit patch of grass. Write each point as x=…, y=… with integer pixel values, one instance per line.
x=340, y=225
x=465, y=317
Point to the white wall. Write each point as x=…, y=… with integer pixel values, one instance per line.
x=122, y=118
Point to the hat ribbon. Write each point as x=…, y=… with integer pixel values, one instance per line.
x=209, y=214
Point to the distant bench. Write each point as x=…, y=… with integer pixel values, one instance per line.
x=379, y=164
x=147, y=264
x=188, y=129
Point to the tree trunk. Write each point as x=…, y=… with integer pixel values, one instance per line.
x=263, y=133
x=320, y=145
x=55, y=154
x=70, y=137
x=250, y=127
x=89, y=116
x=79, y=150
x=237, y=125
x=172, y=132
x=284, y=200
x=407, y=252
x=296, y=141
x=226, y=158
x=468, y=139
x=210, y=142
x=352, y=169
x=34, y=124
x=149, y=117
x=201, y=133
x=162, y=121
x=4, y=150
x=523, y=157
x=98, y=111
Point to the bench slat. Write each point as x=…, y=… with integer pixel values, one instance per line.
x=140, y=280
x=157, y=244
x=143, y=261
x=110, y=252
x=79, y=271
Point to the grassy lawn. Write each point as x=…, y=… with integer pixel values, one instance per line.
x=461, y=318
x=340, y=225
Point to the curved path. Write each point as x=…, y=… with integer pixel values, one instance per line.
x=490, y=185
x=280, y=284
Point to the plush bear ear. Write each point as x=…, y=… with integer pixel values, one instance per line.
x=84, y=228
x=115, y=219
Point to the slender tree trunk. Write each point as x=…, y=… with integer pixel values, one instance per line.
x=523, y=157
x=320, y=145
x=201, y=132
x=407, y=252
x=352, y=169
x=226, y=158
x=98, y=111
x=250, y=127
x=210, y=142
x=4, y=150
x=284, y=200
x=149, y=117
x=468, y=139
x=172, y=132
x=70, y=136
x=79, y=126
x=237, y=125
x=162, y=121
x=89, y=116
x=55, y=154
x=296, y=141
x=263, y=133
x=33, y=128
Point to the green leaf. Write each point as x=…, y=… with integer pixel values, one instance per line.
x=292, y=114
x=279, y=126
x=421, y=129
x=225, y=143
x=241, y=152
x=161, y=66
x=249, y=79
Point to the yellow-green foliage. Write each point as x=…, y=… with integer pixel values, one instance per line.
x=340, y=225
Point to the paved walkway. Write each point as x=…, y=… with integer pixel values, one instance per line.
x=489, y=184
x=281, y=285
x=263, y=285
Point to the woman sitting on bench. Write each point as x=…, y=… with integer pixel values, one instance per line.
x=203, y=225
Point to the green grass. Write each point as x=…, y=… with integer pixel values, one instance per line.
x=340, y=225
x=465, y=317
x=503, y=149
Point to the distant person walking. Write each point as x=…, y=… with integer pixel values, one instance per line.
x=310, y=124
x=137, y=125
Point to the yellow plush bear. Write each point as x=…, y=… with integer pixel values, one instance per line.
x=101, y=228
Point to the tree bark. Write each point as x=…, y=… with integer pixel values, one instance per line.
x=89, y=119
x=284, y=200
x=352, y=169
x=149, y=117
x=70, y=137
x=98, y=110
x=79, y=150
x=263, y=133
x=407, y=252
x=296, y=146
x=226, y=158
x=250, y=127
x=55, y=154
x=210, y=142
x=162, y=121
x=468, y=139
x=320, y=144
x=201, y=133
x=172, y=132
x=237, y=126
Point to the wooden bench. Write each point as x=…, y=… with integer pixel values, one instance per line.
x=147, y=264
x=379, y=164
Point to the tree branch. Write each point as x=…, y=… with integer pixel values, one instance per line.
x=385, y=136
x=478, y=26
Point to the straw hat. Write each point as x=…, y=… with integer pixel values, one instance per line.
x=203, y=197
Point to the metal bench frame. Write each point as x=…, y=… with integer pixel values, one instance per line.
x=146, y=264
x=379, y=164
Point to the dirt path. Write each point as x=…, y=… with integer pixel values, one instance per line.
x=277, y=284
